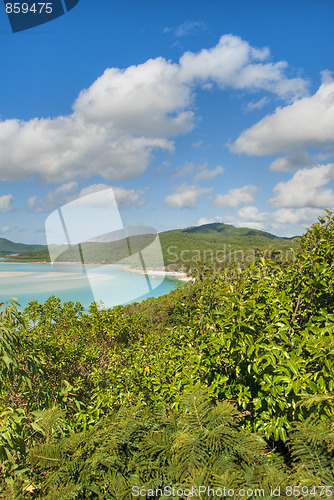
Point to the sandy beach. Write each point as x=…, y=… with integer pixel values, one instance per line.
x=159, y=272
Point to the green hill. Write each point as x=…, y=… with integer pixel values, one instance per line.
x=215, y=243
x=9, y=247
x=227, y=230
x=220, y=243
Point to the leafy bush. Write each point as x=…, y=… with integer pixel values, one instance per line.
x=95, y=402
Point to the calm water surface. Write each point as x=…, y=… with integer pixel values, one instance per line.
x=27, y=282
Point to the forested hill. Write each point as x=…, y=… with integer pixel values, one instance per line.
x=180, y=247
x=224, y=233
x=229, y=230
x=218, y=242
x=7, y=247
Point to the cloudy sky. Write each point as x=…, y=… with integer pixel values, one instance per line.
x=193, y=111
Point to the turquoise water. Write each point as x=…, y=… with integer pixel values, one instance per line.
x=110, y=284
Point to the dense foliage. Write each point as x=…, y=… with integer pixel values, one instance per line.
x=228, y=381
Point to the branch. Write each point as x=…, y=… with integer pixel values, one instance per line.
x=197, y=414
x=295, y=312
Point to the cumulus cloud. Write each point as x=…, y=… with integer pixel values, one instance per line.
x=235, y=197
x=209, y=220
x=67, y=147
x=294, y=216
x=305, y=189
x=205, y=174
x=296, y=161
x=251, y=224
x=125, y=198
x=185, y=196
x=251, y=217
x=235, y=63
x=252, y=214
x=127, y=113
x=54, y=198
x=61, y=193
x=307, y=122
x=148, y=99
x=6, y=203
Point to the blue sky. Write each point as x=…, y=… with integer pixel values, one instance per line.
x=192, y=111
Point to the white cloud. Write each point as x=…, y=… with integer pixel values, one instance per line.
x=152, y=98
x=55, y=198
x=202, y=171
x=307, y=122
x=306, y=189
x=197, y=145
x=127, y=113
x=251, y=224
x=257, y=104
x=63, y=148
x=251, y=217
x=187, y=28
x=235, y=63
x=252, y=214
x=185, y=196
x=235, y=197
x=125, y=198
x=187, y=169
x=6, y=203
x=5, y=229
x=35, y=205
x=294, y=221
x=297, y=215
x=296, y=161
x=206, y=174
x=61, y=193
x=209, y=220
x=148, y=99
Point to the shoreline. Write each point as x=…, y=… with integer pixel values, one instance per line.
x=160, y=272
x=178, y=275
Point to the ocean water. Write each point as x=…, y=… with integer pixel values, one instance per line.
x=70, y=282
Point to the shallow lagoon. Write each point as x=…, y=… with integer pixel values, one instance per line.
x=112, y=285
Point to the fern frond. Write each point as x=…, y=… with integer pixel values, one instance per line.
x=312, y=450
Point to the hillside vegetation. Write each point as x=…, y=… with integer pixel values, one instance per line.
x=226, y=382
x=9, y=247
x=215, y=244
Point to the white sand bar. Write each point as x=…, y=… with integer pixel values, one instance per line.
x=9, y=274
x=160, y=272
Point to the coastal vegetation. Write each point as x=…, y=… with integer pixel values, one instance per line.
x=225, y=383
